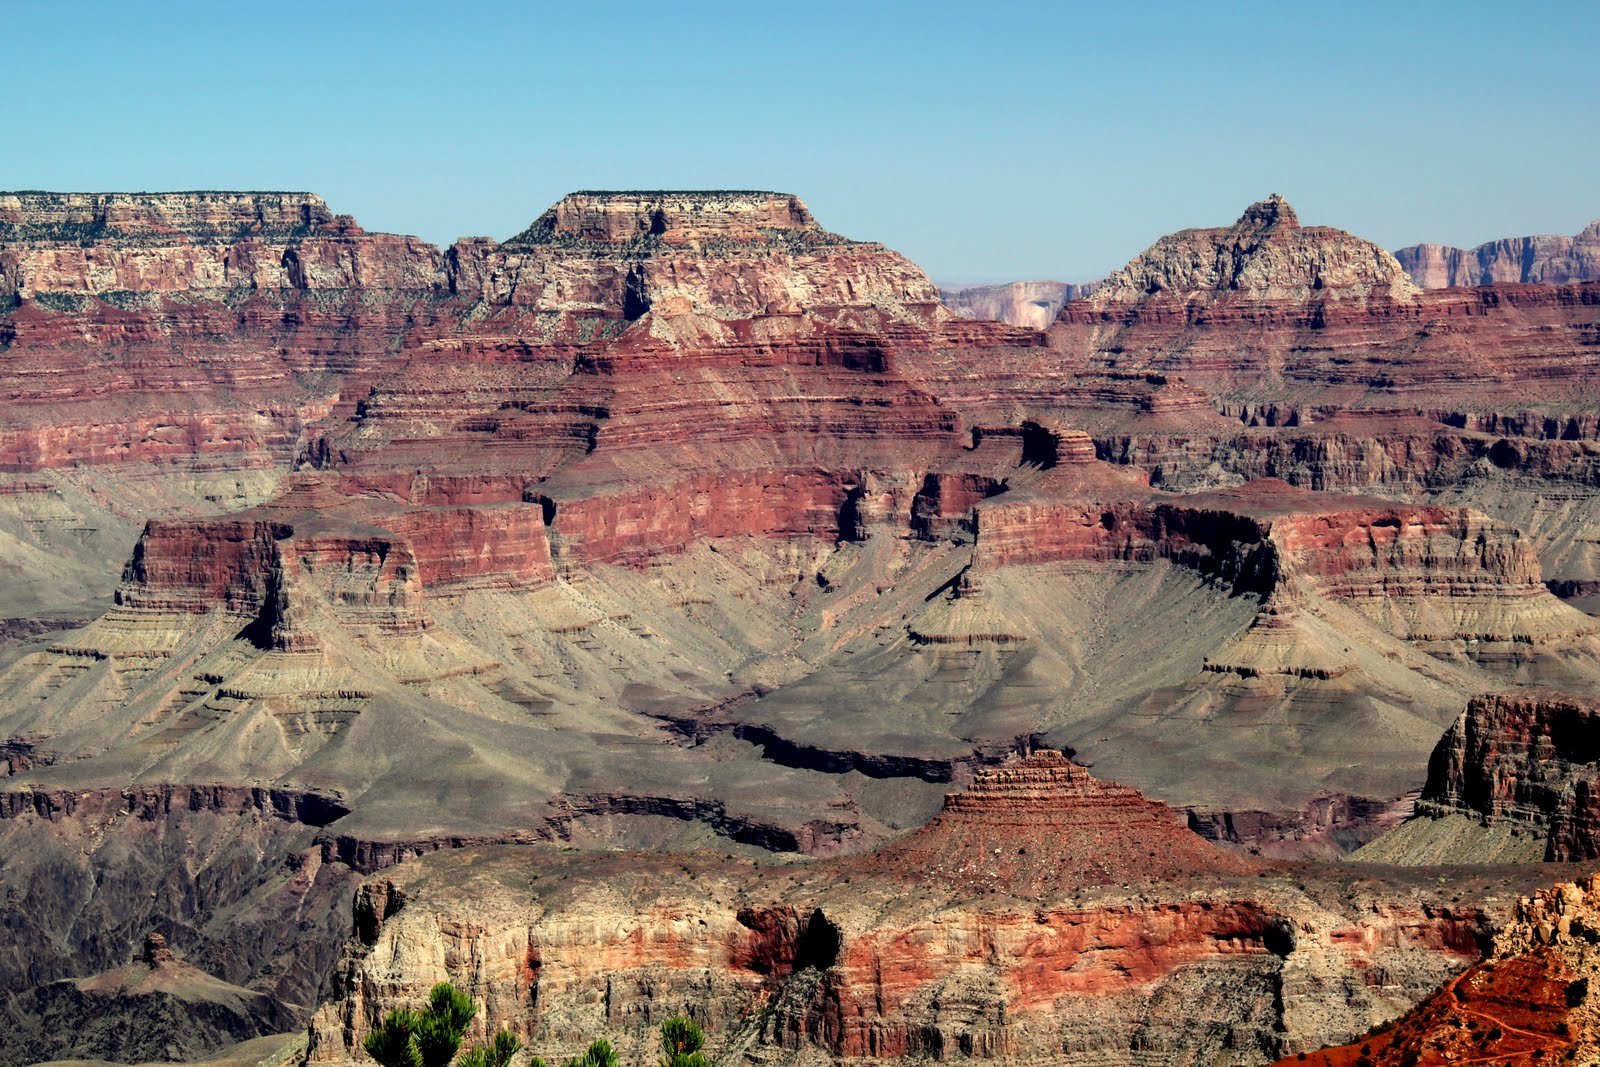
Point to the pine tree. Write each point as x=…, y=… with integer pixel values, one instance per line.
x=427, y=1038
x=497, y=1053
x=680, y=1043
x=598, y=1054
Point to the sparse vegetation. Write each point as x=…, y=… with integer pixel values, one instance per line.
x=681, y=1041
x=431, y=1037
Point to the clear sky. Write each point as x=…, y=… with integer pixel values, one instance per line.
x=986, y=140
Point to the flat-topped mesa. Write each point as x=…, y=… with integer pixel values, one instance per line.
x=1046, y=822
x=129, y=245
x=195, y=217
x=711, y=255
x=1266, y=254
x=614, y=217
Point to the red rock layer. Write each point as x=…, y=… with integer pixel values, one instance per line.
x=1528, y=1003
x=885, y=960
x=1528, y=758
x=1045, y=823
x=1513, y=1011
x=277, y=570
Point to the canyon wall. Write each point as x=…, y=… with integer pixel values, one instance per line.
x=1544, y=259
x=677, y=520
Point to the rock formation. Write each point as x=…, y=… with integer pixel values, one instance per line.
x=966, y=940
x=1528, y=1002
x=157, y=1008
x=1266, y=254
x=1514, y=777
x=677, y=520
x=1031, y=304
x=1544, y=259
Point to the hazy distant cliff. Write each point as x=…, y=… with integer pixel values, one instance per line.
x=1032, y=304
x=1547, y=259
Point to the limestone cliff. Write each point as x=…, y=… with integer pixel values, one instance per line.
x=1515, y=769
x=1543, y=259
x=958, y=943
x=1529, y=1002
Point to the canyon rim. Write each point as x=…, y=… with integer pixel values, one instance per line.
x=677, y=608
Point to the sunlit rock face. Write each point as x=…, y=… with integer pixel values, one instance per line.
x=679, y=521
x=1544, y=259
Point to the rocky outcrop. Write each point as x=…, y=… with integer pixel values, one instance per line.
x=184, y=326
x=1543, y=259
x=157, y=1008
x=1528, y=1002
x=1045, y=825
x=1266, y=254
x=275, y=574
x=720, y=254
x=1030, y=304
x=878, y=959
x=674, y=215
x=1443, y=578
x=1523, y=761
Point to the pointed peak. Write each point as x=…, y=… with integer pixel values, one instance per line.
x=1266, y=214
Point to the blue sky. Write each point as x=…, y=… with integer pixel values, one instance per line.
x=985, y=140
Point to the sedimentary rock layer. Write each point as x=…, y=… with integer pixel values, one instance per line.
x=888, y=959
x=1543, y=259
x=1523, y=763
x=1529, y=1002
x=678, y=520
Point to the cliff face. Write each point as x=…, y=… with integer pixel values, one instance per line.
x=673, y=215
x=677, y=520
x=454, y=443
x=1265, y=254
x=1030, y=304
x=878, y=959
x=725, y=255
x=1519, y=761
x=183, y=328
x=1530, y=1001
x=1543, y=259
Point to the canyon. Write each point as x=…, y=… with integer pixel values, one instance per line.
x=338, y=564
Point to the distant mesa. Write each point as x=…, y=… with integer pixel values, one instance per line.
x=615, y=216
x=1033, y=304
x=1266, y=254
x=43, y=217
x=1544, y=259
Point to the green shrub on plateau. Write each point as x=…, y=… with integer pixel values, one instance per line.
x=431, y=1037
